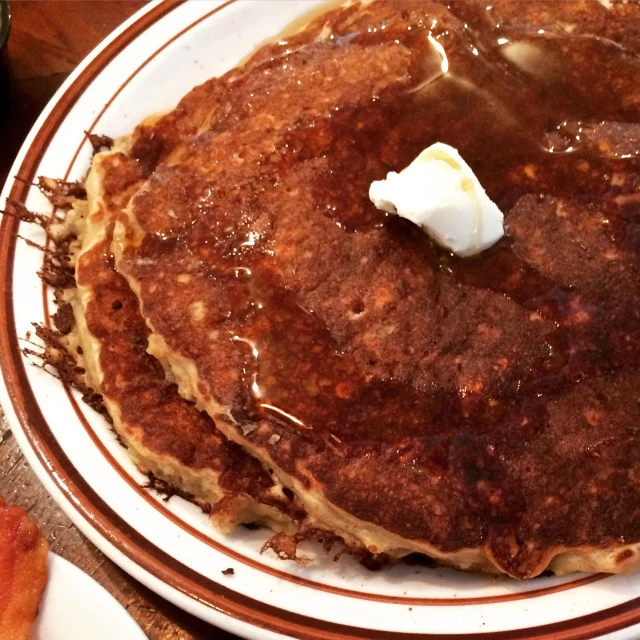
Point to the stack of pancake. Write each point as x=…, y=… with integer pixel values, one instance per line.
x=270, y=343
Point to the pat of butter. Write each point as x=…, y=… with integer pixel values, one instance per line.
x=439, y=192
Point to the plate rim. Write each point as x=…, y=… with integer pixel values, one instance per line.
x=21, y=415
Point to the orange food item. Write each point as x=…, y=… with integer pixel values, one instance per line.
x=23, y=572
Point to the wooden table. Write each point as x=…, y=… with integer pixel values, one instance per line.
x=48, y=39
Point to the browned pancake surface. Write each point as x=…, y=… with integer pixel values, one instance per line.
x=466, y=403
x=149, y=410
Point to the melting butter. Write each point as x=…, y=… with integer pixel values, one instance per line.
x=439, y=192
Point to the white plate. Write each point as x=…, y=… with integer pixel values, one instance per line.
x=76, y=607
x=144, y=67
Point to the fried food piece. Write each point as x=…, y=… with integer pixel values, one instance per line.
x=23, y=572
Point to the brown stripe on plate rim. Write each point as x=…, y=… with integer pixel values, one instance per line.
x=113, y=528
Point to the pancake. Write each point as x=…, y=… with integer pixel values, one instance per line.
x=23, y=567
x=481, y=411
x=164, y=434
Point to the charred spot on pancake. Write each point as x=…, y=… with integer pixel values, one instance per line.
x=167, y=491
x=63, y=318
x=55, y=273
x=625, y=555
x=56, y=359
x=285, y=545
x=100, y=142
x=61, y=194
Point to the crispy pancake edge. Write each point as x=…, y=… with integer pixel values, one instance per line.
x=202, y=483
x=616, y=559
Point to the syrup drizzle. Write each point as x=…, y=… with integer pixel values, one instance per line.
x=531, y=111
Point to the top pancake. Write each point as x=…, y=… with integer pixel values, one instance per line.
x=482, y=411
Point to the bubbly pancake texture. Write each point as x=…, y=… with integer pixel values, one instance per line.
x=164, y=433
x=482, y=411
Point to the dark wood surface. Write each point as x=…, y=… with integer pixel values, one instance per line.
x=48, y=39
